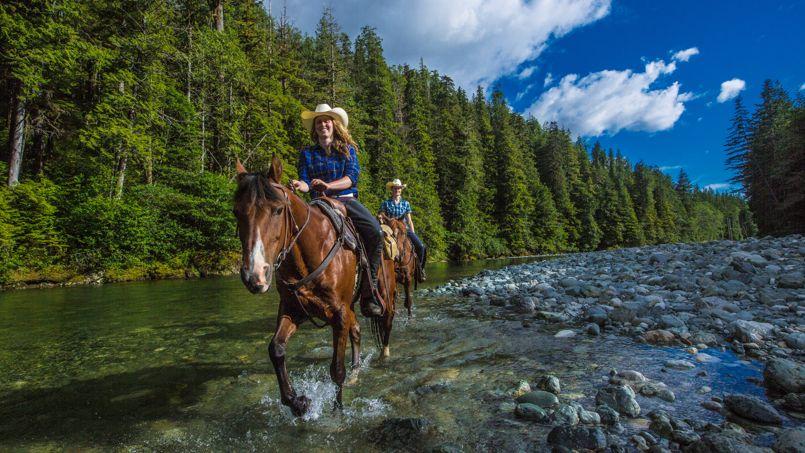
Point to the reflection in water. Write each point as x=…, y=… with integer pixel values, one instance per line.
x=180, y=365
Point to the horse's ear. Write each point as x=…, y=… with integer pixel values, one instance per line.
x=239, y=167
x=275, y=170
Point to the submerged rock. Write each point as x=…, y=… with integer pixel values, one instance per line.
x=791, y=441
x=577, y=438
x=528, y=411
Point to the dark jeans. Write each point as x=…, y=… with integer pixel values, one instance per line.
x=369, y=229
x=421, y=252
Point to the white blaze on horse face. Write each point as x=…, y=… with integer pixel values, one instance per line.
x=258, y=261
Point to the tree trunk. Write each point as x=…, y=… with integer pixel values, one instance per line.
x=219, y=16
x=121, y=174
x=16, y=141
x=40, y=143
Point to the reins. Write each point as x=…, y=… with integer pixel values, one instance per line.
x=295, y=286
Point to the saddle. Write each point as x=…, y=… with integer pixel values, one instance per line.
x=337, y=214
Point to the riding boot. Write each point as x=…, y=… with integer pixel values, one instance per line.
x=372, y=238
x=371, y=300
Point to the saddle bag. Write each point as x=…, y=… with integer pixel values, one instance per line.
x=389, y=243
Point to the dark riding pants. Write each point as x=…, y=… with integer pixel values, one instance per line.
x=421, y=252
x=369, y=229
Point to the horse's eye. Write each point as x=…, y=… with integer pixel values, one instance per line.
x=277, y=210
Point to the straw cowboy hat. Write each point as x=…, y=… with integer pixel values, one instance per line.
x=337, y=114
x=395, y=183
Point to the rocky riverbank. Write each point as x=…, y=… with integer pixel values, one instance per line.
x=747, y=296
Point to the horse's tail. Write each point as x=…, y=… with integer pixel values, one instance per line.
x=377, y=328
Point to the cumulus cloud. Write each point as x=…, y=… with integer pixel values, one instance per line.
x=802, y=87
x=472, y=41
x=610, y=101
x=730, y=89
x=718, y=186
x=548, y=79
x=684, y=55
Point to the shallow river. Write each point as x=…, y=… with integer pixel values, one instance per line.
x=182, y=365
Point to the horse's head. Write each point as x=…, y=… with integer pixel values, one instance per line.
x=263, y=225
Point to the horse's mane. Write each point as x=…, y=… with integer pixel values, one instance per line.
x=257, y=187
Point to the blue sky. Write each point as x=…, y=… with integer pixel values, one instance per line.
x=637, y=75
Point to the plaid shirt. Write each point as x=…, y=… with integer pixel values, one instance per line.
x=395, y=210
x=315, y=164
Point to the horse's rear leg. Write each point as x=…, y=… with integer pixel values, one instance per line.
x=355, y=339
x=386, y=334
x=337, y=369
x=276, y=352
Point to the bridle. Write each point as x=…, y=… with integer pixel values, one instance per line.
x=289, y=221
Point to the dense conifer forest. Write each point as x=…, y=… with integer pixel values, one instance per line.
x=123, y=120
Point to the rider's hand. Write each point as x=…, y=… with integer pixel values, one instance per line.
x=298, y=185
x=319, y=185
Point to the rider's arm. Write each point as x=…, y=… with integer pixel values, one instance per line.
x=303, y=183
x=410, y=222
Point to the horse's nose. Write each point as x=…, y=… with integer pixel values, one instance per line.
x=256, y=283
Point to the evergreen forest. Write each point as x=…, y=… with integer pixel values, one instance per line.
x=123, y=120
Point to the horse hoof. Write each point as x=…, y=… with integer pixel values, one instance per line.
x=385, y=354
x=352, y=379
x=300, y=405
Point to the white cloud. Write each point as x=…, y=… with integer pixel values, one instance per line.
x=802, y=87
x=684, y=55
x=526, y=73
x=671, y=167
x=730, y=89
x=610, y=101
x=718, y=186
x=472, y=41
x=523, y=93
x=548, y=79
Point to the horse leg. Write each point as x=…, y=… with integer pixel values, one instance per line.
x=337, y=369
x=355, y=339
x=408, y=304
x=276, y=352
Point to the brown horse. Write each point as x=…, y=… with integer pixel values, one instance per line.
x=284, y=237
x=405, y=266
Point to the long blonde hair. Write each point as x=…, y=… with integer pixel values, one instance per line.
x=342, y=140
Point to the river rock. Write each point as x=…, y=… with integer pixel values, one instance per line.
x=659, y=336
x=608, y=416
x=750, y=331
x=784, y=375
x=670, y=321
x=726, y=441
x=792, y=280
x=795, y=340
x=621, y=398
x=567, y=333
x=528, y=411
x=592, y=329
x=578, y=438
x=794, y=402
x=589, y=417
x=565, y=415
x=752, y=408
x=549, y=384
x=791, y=441
x=679, y=364
x=541, y=398
x=402, y=433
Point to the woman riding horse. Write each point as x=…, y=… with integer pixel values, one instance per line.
x=398, y=208
x=330, y=167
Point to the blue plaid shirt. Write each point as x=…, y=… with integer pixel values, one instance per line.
x=315, y=164
x=395, y=210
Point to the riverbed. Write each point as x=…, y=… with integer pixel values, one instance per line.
x=182, y=365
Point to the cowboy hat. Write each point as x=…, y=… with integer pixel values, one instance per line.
x=395, y=183
x=338, y=114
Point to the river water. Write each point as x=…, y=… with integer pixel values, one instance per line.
x=182, y=365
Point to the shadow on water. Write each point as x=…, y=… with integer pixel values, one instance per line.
x=105, y=410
